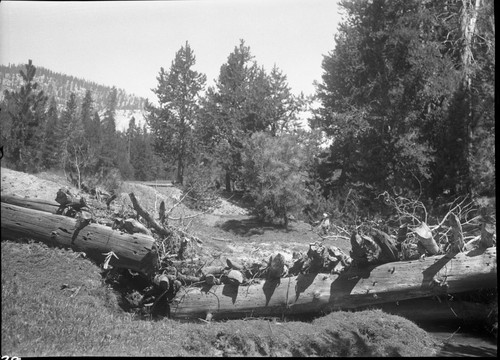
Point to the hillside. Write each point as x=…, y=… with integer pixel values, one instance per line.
x=60, y=86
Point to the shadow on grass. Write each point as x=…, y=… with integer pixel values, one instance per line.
x=236, y=198
x=249, y=227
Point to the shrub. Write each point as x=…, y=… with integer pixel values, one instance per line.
x=110, y=180
x=199, y=190
x=274, y=173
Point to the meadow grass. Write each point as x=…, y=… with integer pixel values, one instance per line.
x=55, y=303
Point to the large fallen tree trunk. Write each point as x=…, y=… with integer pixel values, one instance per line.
x=134, y=251
x=35, y=204
x=314, y=293
x=310, y=293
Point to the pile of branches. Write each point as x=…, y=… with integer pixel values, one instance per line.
x=412, y=233
x=465, y=225
x=181, y=263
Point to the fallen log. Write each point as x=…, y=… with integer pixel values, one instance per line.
x=134, y=251
x=35, y=204
x=357, y=287
x=46, y=205
x=149, y=219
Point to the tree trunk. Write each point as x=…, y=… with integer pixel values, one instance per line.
x=424, y=235
x=134, y=251
x=285, y=221
x=77, y=165
x=470, y=11
x=34, y=204
x=180, y=170
x=315, y=293
x=228, y=181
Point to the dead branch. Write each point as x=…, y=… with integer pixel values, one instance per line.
x=458, y=206
x=149, y=219
x=178, y=203
x=189, y=216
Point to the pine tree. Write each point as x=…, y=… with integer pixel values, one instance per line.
x=172, y=122
x=109, y=118
x=147, y=165
x=63, y=130
x=50, y=150
x=385, y=89
x=244, y=100
x=467, y=160
x=482, y=162
x=274, y=168
x=132, y=134
x=6, y=108
x=221, y=128
x=24, y=147
x=123, y=160
x=108, y=145
x=86, y=113
x=283, y=106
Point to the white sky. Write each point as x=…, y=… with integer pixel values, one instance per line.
x=124, y=43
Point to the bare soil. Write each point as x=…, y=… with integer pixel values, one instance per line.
x=227, y=231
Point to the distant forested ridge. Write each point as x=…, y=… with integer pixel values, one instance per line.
x=60, y=86
x=94, y=132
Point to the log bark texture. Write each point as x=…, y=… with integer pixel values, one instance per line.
x=314, y=293
x=134, y=251
x=35, y=204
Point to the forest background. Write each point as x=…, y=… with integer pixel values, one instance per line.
x=405, y=106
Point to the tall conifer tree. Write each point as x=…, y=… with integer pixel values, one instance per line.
x=27, y=112
x=108, y=144
x=63, y=131
x=50, y=149
x=172, y=122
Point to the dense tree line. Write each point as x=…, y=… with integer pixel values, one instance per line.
x=407, y=97
x=228, y=127
x=86, y=146
x=406, y=103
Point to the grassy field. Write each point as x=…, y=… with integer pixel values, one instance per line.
x=54, y=303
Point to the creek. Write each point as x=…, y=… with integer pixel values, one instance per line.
x=461, y=340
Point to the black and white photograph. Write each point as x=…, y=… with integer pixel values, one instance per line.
x=251, y=178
